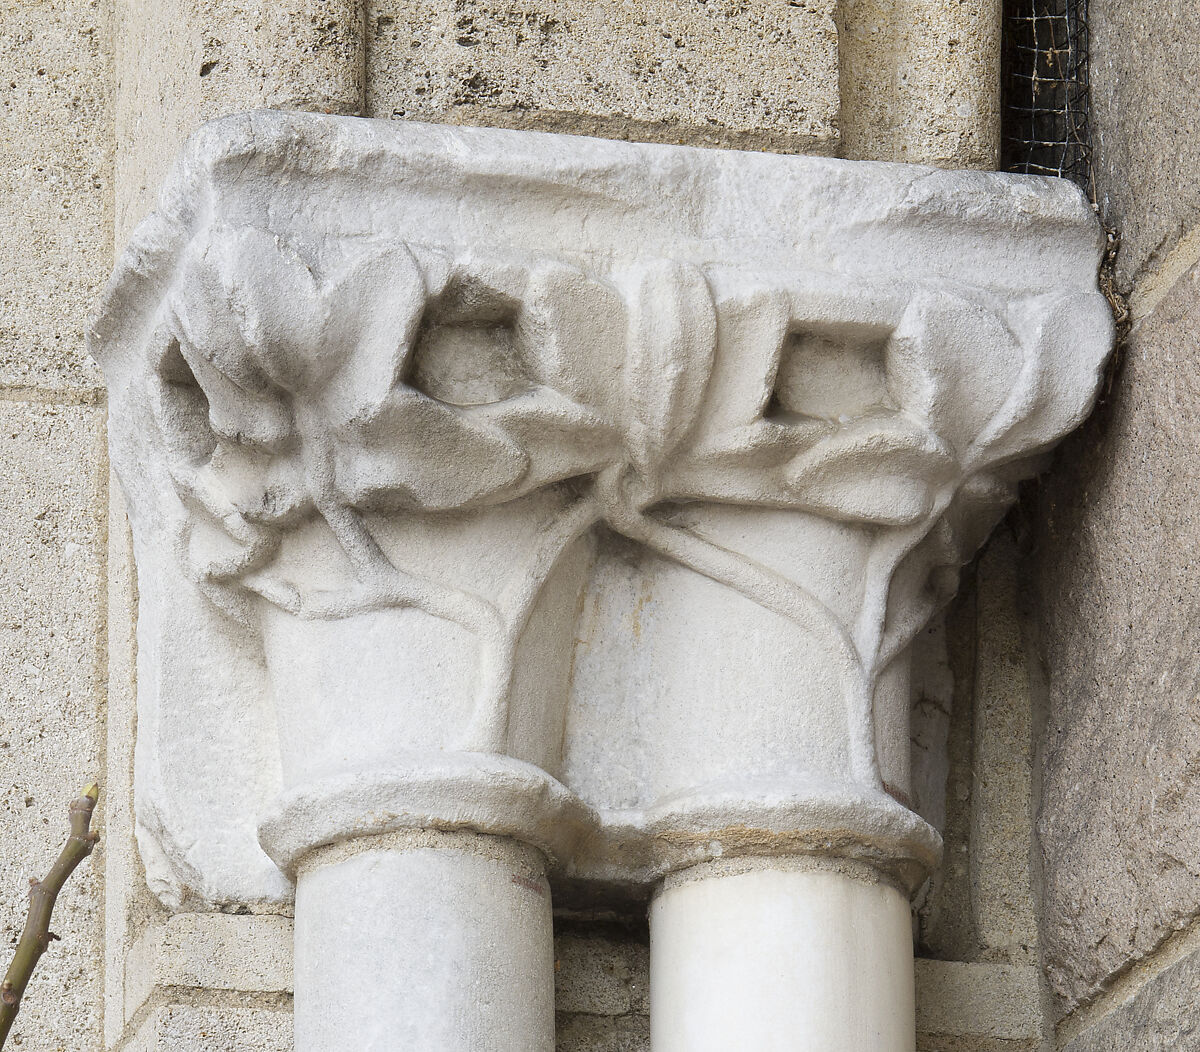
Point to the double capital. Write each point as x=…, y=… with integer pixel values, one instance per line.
x=589, y=493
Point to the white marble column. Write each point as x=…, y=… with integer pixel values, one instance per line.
x=424, y=940
x=798, y=954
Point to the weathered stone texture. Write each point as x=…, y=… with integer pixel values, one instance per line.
x=946, y=1043
x=219, y=1027
x=1164, y=1016
x=602, y=991
x=1120, y=623
x=56, y=181
x=946, y=919
x=1001, y=892
x=754, y=73
x=51, y=569
x=128, y=903
x=979, y=1006
x=601, y=975
x=1145, y=77
x=202, y=951
x=920, y=81
x=583, y=1033
x=182, y=62
x=979, y=906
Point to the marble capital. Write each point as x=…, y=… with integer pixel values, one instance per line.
x=582, y=492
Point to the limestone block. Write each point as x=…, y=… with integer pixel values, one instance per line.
x=599, y=975
x=932, y=704
x=946, y=916
x=1145, y=77
x=1162, y=1016
x=981, y=903
x=51, y=569
x=212, y=951
x=56, y=175
x=549, y=431
x=755, y=73
x=589, y=1033
x=1001, y=809
x=920, y=81
x=224, y=1027
x=1119, y=612
x=183, y=62
x=963, y=1006
x=223, y=952
x=128, y=905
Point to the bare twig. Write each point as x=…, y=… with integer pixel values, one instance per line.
x=37, y=936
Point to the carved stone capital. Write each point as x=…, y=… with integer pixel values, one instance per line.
x=585, y=492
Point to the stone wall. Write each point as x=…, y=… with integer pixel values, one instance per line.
x=1114, y=574
x=56, y=149
x=100, y=95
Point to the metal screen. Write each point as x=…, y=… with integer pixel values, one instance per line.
x=1045, y=86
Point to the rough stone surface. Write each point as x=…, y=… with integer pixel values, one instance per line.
x=920, y=81
x=1164, y=1016
x=980, y=904
x=929, y=722
x=753, y=73
x=1119, y=611
x=182, y=62
x=978, y=1003
x=1002, y=769
x=233, y=1025
x=590, y=1033
x=945, y=914
x=601, y=975
x=218, y=951
x=129, y=907
x=970, y=1043
x=1145, y=79
x=56, y=179
x=51, y=569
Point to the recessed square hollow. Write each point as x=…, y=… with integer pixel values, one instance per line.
x=468, y=350
x=834, y=372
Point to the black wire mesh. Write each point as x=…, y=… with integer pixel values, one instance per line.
x=1045, y=84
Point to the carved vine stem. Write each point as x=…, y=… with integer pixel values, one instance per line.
x=382, y=584
x=43, y=894
x=488, y=731
x=877, y=646
x=770, y=591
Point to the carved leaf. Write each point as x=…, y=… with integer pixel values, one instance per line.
x=672, y=339
x=933, y=365
x=420, y=453
x=371, y=311
x=877, y=470
x=753, y=330
x=1071, y=339
x=579, y=327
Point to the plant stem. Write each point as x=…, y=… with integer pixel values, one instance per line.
x=43, y=894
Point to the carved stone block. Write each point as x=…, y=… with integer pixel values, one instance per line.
x=587, y=493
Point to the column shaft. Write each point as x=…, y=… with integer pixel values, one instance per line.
x=438, y=941
x=780, y=955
